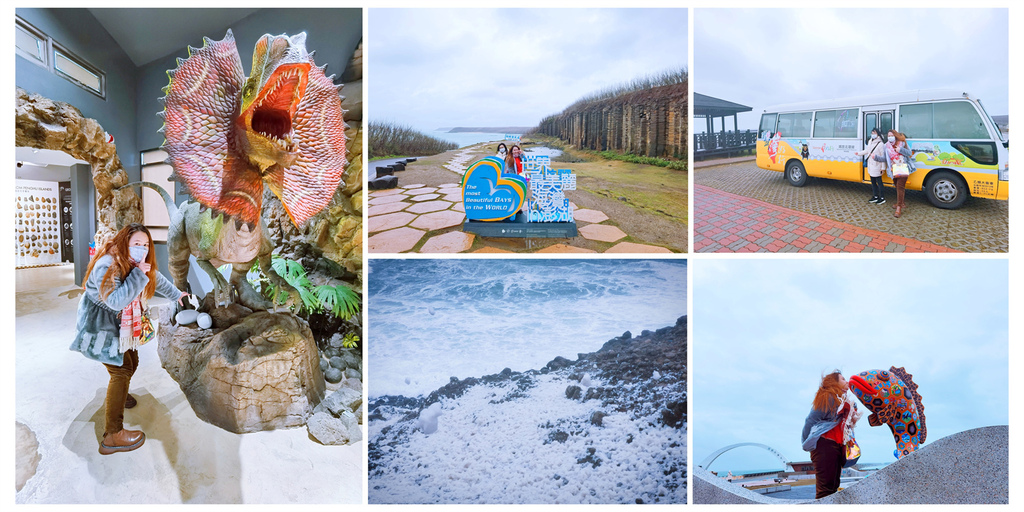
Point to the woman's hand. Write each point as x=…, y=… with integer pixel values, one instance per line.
x=143, y=266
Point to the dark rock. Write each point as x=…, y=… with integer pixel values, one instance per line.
x=385, y=170
x=333, y=375
x=558, y=363
x=597, y=418
x=558, y=436
x=573, y=392
x=626, y=335
x=338, y=363
x=223, y=316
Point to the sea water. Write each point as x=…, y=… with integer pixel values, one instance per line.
x=430, y=320
x=464, y=139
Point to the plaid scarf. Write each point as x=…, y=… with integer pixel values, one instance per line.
x=893, y=151
x=131, y=326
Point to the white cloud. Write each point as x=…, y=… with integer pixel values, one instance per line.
x=446, y=67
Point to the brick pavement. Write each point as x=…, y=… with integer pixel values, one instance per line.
x=980, y=225
x=728, y=222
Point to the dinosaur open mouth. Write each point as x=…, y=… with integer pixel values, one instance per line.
x=274, y=109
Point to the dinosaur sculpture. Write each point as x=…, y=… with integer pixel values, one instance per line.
x=227, y=136
x=891, y=396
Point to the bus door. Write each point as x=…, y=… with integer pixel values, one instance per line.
x=881, y=119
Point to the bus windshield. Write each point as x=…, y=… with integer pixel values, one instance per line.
x=991, y=121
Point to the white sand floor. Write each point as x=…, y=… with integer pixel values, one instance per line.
x=59, y=395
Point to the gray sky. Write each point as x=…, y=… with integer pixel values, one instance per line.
x=764, y=57
x=765, y=331
x=431, y=68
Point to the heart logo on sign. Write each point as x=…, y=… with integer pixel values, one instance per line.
x=489, y=195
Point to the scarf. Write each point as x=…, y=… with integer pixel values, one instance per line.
x=131, y=326
x=850, y=420
x=893, y=151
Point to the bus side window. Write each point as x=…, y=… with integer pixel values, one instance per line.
x=767, y=128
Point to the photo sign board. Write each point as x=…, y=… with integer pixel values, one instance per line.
x=489, y=194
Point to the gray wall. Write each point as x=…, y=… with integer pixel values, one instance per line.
x=78, y=31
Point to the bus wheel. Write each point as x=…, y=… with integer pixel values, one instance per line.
x=795, y=174
x=946, y=190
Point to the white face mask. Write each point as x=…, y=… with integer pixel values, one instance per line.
x=874, y=136
x=892, y=139
x=138, y=253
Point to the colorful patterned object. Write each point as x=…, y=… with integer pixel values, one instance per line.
x=227, y=135
x=490, y=195
x=892, y=398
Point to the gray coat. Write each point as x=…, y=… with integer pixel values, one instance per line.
x=907, y=157
x=816, y=425
x=98, y=325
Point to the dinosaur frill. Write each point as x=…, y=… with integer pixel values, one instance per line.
x=227, y=135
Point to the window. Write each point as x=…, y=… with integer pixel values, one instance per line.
x=767, y=128
x=947, y=120
x=836, y=123
x=34, y=45
x=824, y=123
x=795, y=125
x=982, y=152
x=29, y=42
x=77, y=70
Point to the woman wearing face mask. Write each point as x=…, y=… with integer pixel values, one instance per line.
x=120, y=279
x=897, y=152
x=877, y=162
x=514, y=160
x=502, y=150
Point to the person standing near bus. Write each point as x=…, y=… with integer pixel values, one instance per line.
x=901, y=165
x=877, y=162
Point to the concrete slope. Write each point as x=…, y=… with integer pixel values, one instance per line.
x=964, y=468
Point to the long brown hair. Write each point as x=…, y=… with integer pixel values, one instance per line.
x=827, y=397
x=122, y=265
x=510, y=161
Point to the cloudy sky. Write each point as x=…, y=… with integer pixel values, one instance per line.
x=432, y=68
x=765, y=331
x=764, y=57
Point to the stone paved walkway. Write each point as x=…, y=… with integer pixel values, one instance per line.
x=732, y=223
x=980, y=225
x=400, y=218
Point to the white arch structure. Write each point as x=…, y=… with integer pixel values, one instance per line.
x=711, y=458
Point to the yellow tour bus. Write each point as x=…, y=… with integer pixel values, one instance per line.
x=957, y=148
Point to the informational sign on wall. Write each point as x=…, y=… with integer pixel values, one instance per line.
x=37, y=223
x=67, y=248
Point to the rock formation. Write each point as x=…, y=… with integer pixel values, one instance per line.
x=650, y=122
x=43, y=123
x=26, y=455
x=260, y=374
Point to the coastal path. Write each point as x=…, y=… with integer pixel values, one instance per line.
x=428, y=219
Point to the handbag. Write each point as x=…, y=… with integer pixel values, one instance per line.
x=852, y=453
x=149, y=327
x=900, y=169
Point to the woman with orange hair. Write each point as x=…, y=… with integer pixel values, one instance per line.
x=827, y=430
x=120, y=279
